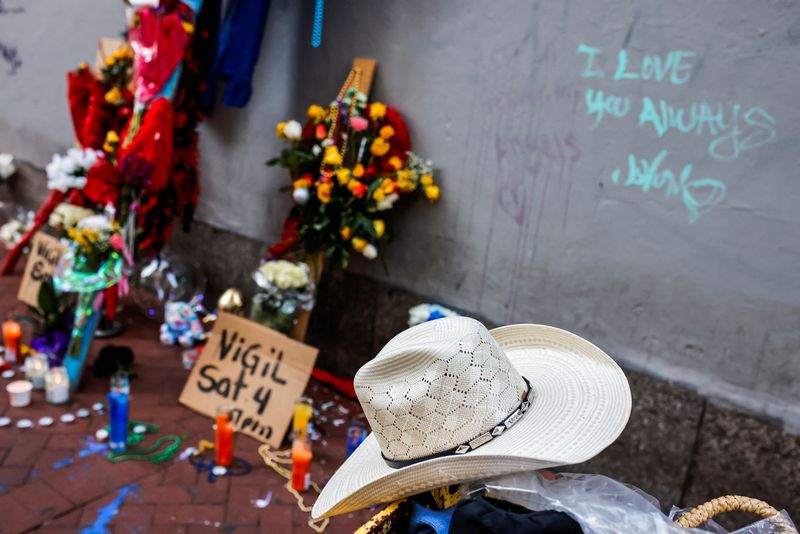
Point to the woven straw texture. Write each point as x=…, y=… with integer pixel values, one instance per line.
x=579, y=405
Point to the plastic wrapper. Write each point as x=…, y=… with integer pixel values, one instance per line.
x=285, y=288
x=166, y=278
x=14, y=222
x=600, y=504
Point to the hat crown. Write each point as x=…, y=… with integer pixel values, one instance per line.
x=436, y=386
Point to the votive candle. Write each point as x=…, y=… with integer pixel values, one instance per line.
x=56, y=385
x=12, y=332
x=223, y=443
x=35, y=370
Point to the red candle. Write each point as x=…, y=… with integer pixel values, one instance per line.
x=224, y=437
x=11, y=335
x=301, y=464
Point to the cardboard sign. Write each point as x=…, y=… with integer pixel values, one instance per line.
x=259, y=371
x=42, y=260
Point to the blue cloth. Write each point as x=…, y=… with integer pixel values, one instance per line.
x=423, y=520
x=237, y=53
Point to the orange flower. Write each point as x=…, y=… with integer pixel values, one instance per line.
x=386, y=132
x=388, y=186
x=346, y=233
x=396, y=162
x=357, y=188
x=358, y=170
x=324, y=192
x=320, y=132
x=359, y=244
x=304, y=182
x=379, y=147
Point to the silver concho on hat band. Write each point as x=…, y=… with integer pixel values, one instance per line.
x=474, y=443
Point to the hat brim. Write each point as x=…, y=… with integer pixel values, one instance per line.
x=581, y=403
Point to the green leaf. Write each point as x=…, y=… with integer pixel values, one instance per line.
x=274, y=161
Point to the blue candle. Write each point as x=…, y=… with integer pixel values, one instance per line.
x=118, y=412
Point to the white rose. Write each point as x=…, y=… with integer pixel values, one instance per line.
x=387, y=202
x=293, y=130
x=301, y=195
x=370, y=252
x=418, y=314
x=7, y=167
x=316, y=150
x=100, y=223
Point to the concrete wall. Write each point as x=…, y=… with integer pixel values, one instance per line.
x=677, y=252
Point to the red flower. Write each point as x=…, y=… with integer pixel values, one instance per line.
x=320, y=132
x=358, y=190
x=103, y=183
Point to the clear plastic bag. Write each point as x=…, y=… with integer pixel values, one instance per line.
x=600, y=504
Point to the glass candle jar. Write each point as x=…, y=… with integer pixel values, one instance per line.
x=56, y=385
x=36, y=367
x=223, y=443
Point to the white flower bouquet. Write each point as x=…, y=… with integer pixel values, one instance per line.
x=285, y=288
x=69, y=171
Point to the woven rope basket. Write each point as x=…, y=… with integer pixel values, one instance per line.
x=394, y=517
x=730, y=503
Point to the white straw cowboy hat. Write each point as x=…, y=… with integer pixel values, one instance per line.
x=448, y=401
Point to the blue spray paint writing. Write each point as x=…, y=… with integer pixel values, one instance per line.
x=734, y=128
x=674, y=67
x=698, y=195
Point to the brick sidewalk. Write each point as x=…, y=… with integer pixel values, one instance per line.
x=53, y=479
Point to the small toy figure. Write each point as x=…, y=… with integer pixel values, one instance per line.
x=181, y=325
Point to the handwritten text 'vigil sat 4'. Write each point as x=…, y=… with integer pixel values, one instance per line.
x=731, y=129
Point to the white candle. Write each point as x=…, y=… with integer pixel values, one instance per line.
x=35, y=370
x=57, y=385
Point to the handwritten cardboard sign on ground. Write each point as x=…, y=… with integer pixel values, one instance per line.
x=42, y=260
x=259, y=371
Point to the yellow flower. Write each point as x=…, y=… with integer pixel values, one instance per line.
x=111, y=142
x=343, y=176
x=188, y=27
x=377, y=110
x=406, y=185
x=378, y=195
x=346, y=233
x=358, y=170
x=396, y=163
x=83, y=66
x=359, y=244
x=332, y=157
x=405, y=174
x=110, y=60
x=432, y=193
x=316, y=113
x=324, y=192
x=380, y=227
x=426, y=179
x=388, y=186
x=113, y=95
x=386, y=132
x=279, y=130
x=302, y=183
x=379, y=147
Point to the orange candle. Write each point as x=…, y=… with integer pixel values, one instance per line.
x=301, y=464
x=223, y=447
x=12, y=332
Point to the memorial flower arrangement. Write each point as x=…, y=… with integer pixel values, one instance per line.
x=285, y=288
x=69, y=171
x=349, y=164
